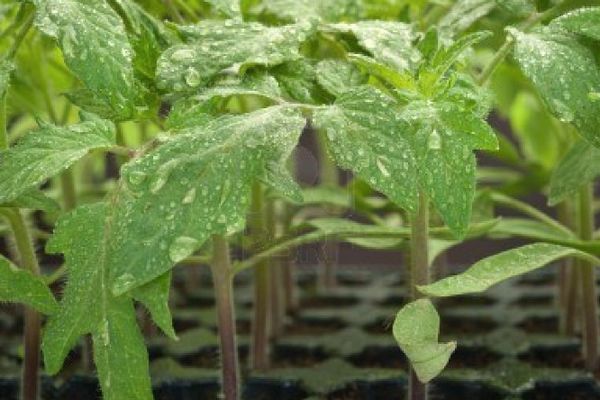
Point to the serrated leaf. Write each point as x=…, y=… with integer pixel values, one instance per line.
x=364, y=136
x=565, y=73
x=195, y=184
x=416, y=329
x=230, y=8
x=337, y=76
x=88, y=307
x=327, y=11
x=499, y=267
x=583, y=21
x=213, y=46
x=445, y=136
x=95, y=46
x=47, y=151
x=579, y=166
x=34, y=200
x=463, y=14
x=399, y=80
x=389, y=42
x=20, y=286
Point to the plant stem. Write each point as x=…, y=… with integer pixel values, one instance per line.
x=419, y=275
x=3, y=121
x=277, y=310
x=287, y=262
x=588, y=282
x=223, y=286
x=260, y=329
x=567, y=291
x=10, y=54
x=329, y=177
x=67, y=182
x=32, y=329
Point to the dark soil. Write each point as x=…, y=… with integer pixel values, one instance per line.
x=472, y=357
x=328, y=302
x=380, y=357
x=465, y=301
x=306, y=326
x=540, y=300
x=285, y=356
x=452, y=325
x=546, y=324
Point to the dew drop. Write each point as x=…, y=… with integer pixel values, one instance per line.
x=182, y=247
x=123, y=283
x=189, y=196
x=435, y=141
x=594, y=96
x=136, y=177
x=158, y=184
x=192, y=77
x=382, y=167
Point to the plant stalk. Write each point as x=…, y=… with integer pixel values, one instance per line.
x=32, y=327
x=419, y=275
x=588, y=282
x=567, y=284
x=328, y=177
x=260, y=329
x=277, y=312
x=223, y=286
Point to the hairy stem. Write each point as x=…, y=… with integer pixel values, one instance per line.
x=588, y=282
x=567, y=291
x=260, y=328
x=32, y=329
x=223, y=285
x=419, y=275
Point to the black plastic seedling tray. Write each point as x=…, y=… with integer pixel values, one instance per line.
x=339, y=346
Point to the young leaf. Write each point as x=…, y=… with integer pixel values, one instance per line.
x=579, y=166
x=94, y=44
x=88, y=306
x=494, y=269
x=583, y=21
x=297, y=80
x=518, y=8
x=416, y=329
x=20, y=286
x=463, y=14
x=365, y=136
x=49, y=150
x=389, y=42
x=213, y=47
x=230, y=8
x=195, y=184
x=565, y=73
x=327, y=11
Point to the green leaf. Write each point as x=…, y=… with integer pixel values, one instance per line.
x=389, y=42
x=579, y=166
x=34, y=200
x=155, y=297
x=297, y=79
x=337, y=76
x=327, y=11
x=518, y=8
x=499, y=267
x=213, y=46
x=436, y=247
x=148, y=36
x=530, y=229
x=364, y=136
x=583, y=21
x=416, y=329
x=47, y=151
x=336, y=196
x=95, y=46
x=20, y=286
x=565, y=73
x=88, y=306
x=229, y=8
x=197, y=183
x=445, y=136
x=463, y=14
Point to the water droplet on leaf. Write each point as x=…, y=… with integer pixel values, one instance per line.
x=182, y=247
